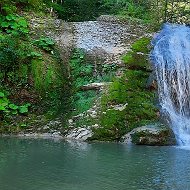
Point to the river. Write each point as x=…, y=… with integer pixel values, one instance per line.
x=46, y=164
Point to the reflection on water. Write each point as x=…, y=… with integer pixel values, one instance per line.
x=39, y=164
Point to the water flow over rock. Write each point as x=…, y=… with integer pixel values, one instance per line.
x=171, y=58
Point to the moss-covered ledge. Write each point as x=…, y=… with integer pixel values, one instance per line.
x=153, y=134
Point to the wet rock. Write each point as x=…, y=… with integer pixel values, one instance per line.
x=81, y=133
x=151, y=82
x=155, y=134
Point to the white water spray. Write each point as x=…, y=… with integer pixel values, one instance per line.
x=171, y=58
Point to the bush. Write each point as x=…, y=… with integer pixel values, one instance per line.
x=13, y=53
x=11, y=6
x=14, y=24
x=7, y=108
x=45, y=43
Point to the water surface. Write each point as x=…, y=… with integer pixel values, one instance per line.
x=39, y=164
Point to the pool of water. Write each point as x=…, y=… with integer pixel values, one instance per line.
x=42, y=164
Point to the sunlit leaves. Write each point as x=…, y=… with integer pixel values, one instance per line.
x=14, y=24
x=8, y=108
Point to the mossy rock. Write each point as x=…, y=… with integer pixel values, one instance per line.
x=142, y=45
x=155, y=134
x=113, y=126
x=137, y=59
x=130, y=90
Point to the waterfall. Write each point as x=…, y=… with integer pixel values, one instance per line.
x=171, y=60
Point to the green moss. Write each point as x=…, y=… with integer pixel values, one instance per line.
x=141, y=45
x=130, y=89
x=112, y=119
x=102, y=134
x=45, y=74
x=50, y=83
x=137, y=58
x=37, y=73
x=113, y=126
x=139, y=111
x=117, y=93
x=164, y=137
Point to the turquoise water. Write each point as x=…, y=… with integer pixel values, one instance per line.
x=39, y=164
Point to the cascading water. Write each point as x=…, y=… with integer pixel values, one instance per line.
x=171, y=59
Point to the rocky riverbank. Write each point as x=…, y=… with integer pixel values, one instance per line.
x=122, y=108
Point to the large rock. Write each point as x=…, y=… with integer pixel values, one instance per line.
x=156, y=134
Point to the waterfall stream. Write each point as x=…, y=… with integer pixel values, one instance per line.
x=171, y=60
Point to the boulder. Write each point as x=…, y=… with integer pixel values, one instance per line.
x=155, y=134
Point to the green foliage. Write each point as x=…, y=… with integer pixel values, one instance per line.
x=129, y=8
x=74, y=10
x=14, y=24
x=45, y=43
x=11, y=6
x=2, y=95
x=83, y=100
x=34, y=55
x=13, y=54
x=8, y=109
x=83, y=73
x=38, y=75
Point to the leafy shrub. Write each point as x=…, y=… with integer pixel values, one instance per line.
x=81, y=71
x=13, y=53
x=14, y=24
x=7, y=108
x=45, y=43
x=82, y=74
x=11, y=6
